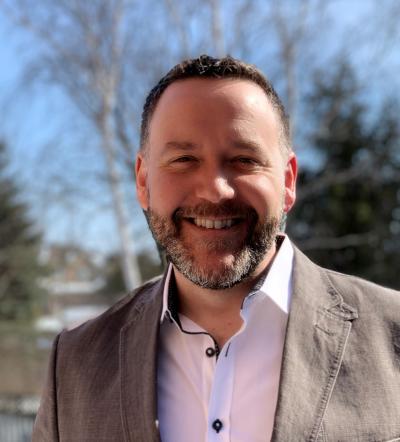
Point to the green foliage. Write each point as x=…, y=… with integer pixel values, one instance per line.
x=348, y=214
x=20, y=295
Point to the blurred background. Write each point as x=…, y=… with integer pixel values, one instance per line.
x=73, y=79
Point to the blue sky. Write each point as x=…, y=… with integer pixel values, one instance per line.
x=33, y=118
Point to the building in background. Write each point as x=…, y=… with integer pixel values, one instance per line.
x=75, y=287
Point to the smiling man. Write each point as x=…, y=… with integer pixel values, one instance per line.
x=215, y=177
x=243, y=339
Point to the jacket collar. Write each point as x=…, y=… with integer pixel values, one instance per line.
x=318, y=328
x=138, y=366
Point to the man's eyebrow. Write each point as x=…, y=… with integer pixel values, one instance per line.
x=181, y=145
x=249, y=145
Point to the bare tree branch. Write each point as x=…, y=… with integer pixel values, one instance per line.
x=328, y=179
x=336, y=243
x=180, y=24
x=216, y=28
x=84, y=56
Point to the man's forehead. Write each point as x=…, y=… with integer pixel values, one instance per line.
x=239, y=107
x=227, y=101
x=249, y=145
x=243, y=89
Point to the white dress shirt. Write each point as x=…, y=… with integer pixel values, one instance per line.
x=229, y=394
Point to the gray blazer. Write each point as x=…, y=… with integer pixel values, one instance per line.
x=340, y=376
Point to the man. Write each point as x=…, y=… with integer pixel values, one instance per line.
x=243, y=339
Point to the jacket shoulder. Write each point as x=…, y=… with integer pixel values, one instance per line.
x=357, y=293
x=107, y=326
x=365, y=295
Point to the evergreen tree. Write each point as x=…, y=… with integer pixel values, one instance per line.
x=148, y=265
x=20, y=295
x=348, y=214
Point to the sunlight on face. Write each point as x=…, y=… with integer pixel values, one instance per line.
x=214, y=183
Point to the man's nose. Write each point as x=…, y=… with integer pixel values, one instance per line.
x=214, y=187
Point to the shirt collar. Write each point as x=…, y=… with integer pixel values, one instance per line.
x=166, y=292
x=277, y=284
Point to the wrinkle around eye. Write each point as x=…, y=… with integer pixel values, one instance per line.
x=246, y=160
x=183, y=159
x=181, y=162
x=248, y=163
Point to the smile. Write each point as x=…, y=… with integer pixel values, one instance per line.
x=215, y=223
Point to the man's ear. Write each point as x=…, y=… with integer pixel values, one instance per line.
x=141, y=181
x=290, y=182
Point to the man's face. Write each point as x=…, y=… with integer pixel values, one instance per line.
x=214, y=180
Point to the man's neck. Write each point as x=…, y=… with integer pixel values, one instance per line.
x=217, y=311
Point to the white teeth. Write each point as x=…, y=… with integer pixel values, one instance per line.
x=213, y=224
x=209, y=224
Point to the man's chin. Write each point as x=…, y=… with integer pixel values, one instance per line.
x=215, y=265
x=214, y=260
x=216, y=272
x=210, y=279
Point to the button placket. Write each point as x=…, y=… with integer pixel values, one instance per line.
x=208, y=367
x=220, y=404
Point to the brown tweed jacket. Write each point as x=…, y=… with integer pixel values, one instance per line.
x=340, y=375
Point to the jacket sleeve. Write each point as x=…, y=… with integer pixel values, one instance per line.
x=46, y=424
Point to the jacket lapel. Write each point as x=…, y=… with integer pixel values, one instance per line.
x=318, y=328
x=138, y=367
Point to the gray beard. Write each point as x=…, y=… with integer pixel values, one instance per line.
x=258, y=242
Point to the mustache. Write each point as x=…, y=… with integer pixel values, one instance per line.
x=226, y=209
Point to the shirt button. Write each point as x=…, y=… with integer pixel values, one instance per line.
x=210, y=352
x=217, y=425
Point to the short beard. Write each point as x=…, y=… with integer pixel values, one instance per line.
x=258, y=242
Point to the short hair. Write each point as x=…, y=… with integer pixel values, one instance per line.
x=220, y=68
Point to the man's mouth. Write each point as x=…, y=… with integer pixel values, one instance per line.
x=210, y=223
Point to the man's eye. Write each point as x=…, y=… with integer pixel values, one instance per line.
x=183, y=159
x=246, y=161
x=182, y=162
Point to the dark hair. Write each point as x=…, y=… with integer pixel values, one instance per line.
x=209, y=67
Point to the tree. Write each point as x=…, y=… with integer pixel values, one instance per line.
x=348, y=213
x=114, y=287
x=103, y=55
x=20, y=294
x=81, y=48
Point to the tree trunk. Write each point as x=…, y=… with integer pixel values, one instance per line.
x=129, y=262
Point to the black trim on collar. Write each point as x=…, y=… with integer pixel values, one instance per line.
x=173, y=300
